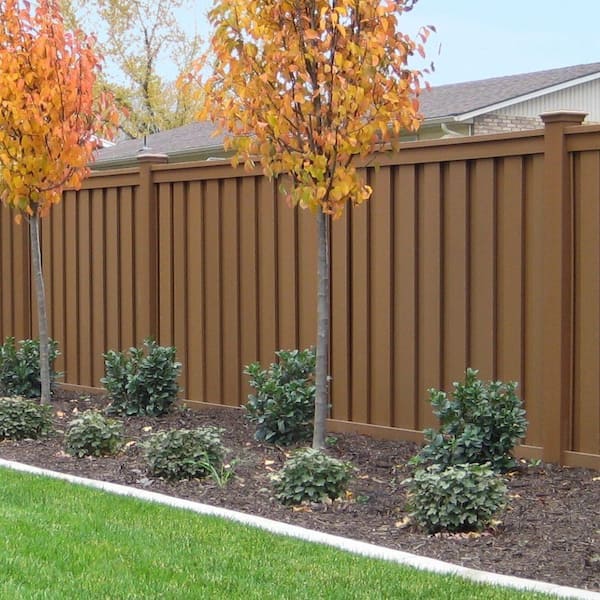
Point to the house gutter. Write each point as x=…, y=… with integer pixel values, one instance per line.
x=446, y=119
x=187, y=155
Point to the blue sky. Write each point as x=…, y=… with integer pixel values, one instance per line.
x=488, y=38
x=477, y=39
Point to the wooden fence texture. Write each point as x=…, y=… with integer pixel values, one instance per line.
x=481, y=252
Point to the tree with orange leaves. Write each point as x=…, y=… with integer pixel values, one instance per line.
x=307, y=87
x=49, y=123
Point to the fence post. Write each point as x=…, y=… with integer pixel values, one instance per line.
x=146, y=248
x=557, y=272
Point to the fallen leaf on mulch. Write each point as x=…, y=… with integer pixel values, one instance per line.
x=405, y=522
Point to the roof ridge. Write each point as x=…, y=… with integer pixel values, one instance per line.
x=545, y=72
x=465, y=97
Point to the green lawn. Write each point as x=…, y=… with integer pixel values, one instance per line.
x=60, y=540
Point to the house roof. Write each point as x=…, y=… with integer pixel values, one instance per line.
x=476, y=96
x=191, y=138
x=458, y=101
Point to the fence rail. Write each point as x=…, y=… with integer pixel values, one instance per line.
x=481, y=252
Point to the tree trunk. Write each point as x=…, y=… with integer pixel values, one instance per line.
x=323, y=304
x=36, y=258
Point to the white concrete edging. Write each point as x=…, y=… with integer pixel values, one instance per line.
x=349, y=545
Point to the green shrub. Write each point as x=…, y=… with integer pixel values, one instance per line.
x=457, y=498
x=142, y=381
x=20, y=367
x=92, y=434
x=21, y=418
x=311, y=475
x=284, y=404
x=185, y=453
x=481, y=423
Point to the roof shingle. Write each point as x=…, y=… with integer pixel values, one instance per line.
x=190, y=137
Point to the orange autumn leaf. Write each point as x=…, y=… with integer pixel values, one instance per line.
x=306, y=87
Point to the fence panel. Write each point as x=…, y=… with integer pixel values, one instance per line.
x=429, y=278
x=89, y=268
x=442, y=269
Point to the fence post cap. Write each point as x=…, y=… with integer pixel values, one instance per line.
x=564, y=116
x=152, y=157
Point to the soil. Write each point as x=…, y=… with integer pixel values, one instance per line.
x=550, y=530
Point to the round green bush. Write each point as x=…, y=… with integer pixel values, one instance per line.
x=20, y=367
x=457, y=498
x=92, y=434
x=142, y=381
x=479, y=422
x=284, y=404
x=185, y=453
x=21, y=418
x=311, y=476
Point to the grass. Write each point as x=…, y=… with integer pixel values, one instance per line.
x=60, y=540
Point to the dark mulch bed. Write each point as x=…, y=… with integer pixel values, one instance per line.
x=550, y=531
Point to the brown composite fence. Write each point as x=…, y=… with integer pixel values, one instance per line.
x=481, y=252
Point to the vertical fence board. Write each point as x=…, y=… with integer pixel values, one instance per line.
x=166, y=284
x=24, y=288
x=361, y=351
x=70, y=343
x=144, y=246
x=405, y=301
x=586, y=413
x=456, y=272
x=98, y=286
x=196, y=356
x=341, y=322
x=180, y=316
x=113, y=269
x=429, y=244
x=267, y=259
x=510, y=271
x=231, y=287
x=534, y=323
x=307, y=278
x=84, y=276
x=483, y=269
x=380, y=301
x=58, y=330
x=287, y=273
x=213, y=291
x=128, y=296
x=249, y=276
